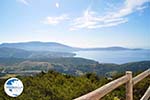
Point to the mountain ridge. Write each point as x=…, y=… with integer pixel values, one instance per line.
x=58, y=47
x=38, y=46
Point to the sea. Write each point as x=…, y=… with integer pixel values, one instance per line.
x=117, y=57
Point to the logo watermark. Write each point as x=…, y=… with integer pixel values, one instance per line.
x=13, y=87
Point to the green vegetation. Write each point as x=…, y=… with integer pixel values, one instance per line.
x=56, y=86
x=77, y=77
x=8, y=76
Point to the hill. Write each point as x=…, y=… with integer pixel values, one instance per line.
x=72, y=66
x=7, y=52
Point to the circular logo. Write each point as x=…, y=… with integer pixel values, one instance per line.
x=13, y=87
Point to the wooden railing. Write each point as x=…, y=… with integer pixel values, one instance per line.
x=126, y=79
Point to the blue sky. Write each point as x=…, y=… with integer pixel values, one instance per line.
x=78, y=23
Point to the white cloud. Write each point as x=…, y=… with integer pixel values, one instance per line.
x=57, y=5
x=55, y=20
x=24, y=2
x=91, y=19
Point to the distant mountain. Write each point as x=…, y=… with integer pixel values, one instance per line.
x=7, y=52
x=13, y=52
x=56, y=47
x=109, y=48
x=40, y=46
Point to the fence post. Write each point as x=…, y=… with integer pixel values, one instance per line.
x=129, y=86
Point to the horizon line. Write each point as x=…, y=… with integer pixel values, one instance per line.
x=75, y=46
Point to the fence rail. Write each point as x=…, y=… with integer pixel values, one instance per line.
x=141, y=76
x=126, y=79
x=146, y=95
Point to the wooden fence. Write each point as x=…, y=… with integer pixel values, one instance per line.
x=126, y=79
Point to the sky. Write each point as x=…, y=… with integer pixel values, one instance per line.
x=77, y=23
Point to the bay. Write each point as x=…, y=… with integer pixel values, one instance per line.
x=118, y=57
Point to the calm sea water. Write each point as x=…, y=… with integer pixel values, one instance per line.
x=118, y=57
